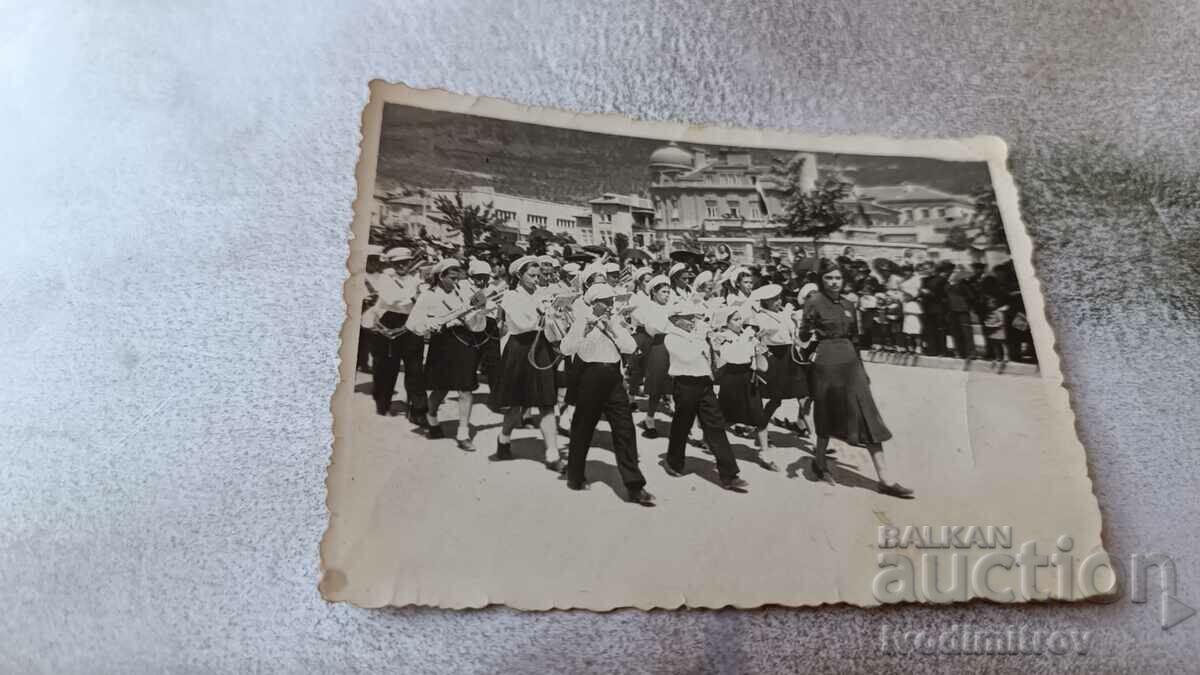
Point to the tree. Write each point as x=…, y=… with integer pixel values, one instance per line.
x=957, y=238
x=987, y=217
x=689, y=241
x=621, y=243
x=816, y=213
x=476, y=223
x=538, y=238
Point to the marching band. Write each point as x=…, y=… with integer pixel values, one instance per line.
x=561, y=342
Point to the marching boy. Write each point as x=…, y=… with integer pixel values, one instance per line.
x=691, y=372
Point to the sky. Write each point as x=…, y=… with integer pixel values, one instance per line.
x=433, y=149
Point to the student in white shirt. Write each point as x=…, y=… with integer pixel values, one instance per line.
x=786, y=377
x=739, y=356
x=527, y=366
x=395, y=296
x=598, y=342
x=452, y=362
x=691, y=372
x=652, y=316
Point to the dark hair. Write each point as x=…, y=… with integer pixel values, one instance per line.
x=825, y=267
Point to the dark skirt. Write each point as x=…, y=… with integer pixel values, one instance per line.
x=452, y=363
x=785, y=378
x=520, y=383
x=843, y=407
x=658, y=368
x=739, y=398
x=637, y=360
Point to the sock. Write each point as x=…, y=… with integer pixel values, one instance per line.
x=464, y=432
x=503, y=438
x=432, y=419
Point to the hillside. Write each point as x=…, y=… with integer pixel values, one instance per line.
x=435, y=149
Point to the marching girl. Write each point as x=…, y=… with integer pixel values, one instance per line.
x=843, y=405
x=638, y=298
x=489, y=358
x=652, y=316
x=737, y=353
x=526, y=370
x=452, y=362
x=785, y=377
x=740, y=283
x=680, y=276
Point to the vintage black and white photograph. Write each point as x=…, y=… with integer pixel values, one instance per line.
x=591, y=362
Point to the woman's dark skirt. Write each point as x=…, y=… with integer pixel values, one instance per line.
x=785, y=378
x=739, y=398
x=520, y=383
x=843, y=407
x=658, y=368
x=637, y=360
x=452, y=363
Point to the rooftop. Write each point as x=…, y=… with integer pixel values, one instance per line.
x=909, y=193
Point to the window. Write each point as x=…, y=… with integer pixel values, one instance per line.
x=755, y=211
x=735, y=209
x=506, y=216
x=536, y=220
x=606, y=216
x=941, y=213
x=674, y=208
x=565, y=223
x=923, y=213
x=713, y=208
x=907, y=215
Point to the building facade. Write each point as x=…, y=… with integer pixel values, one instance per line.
x=416, y=211
x=613, y=214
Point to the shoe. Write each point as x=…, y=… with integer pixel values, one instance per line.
x=466, y=445
x=734, y=484
x=503, y=453
x=673, y=472
x=435, y=432
x=769, y=465
x=418, y=419
x=577, y=486
x=557, y=465
x=649, y=433
x=381, y=409
x=822, y=473
x=640, y=496
x=895, y=490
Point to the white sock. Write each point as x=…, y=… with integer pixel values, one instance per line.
x=464, y=432
x=432, y=419
x=503, y=437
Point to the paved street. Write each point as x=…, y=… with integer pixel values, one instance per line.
x=969, y=443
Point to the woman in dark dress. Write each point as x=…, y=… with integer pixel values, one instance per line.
x=843, y=405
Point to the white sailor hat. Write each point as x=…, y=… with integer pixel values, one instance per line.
x=374, y=250
x=686, y=309
x=733, y=273
x=445, y=264
x=571, y=268
x=398, y=254
x=599, y=292
x=807, y=290
x=721, y=314
x=592, y=270
x=478, y=267
x=702, y=278
x=611, y=268
x=657, y=281
x=548, y=261
x=642, y=272
x=676, y=269
x=766, y=292
x=517, y=266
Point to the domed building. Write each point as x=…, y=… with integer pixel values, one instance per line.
x=670, y=159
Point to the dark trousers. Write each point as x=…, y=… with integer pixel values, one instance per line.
x=387, y=356
x=963, y=333
x=694, y=399
x=935, y=333
x=364, y=350
x=601, y=392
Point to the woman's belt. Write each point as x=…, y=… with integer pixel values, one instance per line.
x=658, y=339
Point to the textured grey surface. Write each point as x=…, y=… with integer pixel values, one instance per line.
x=178, y=183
